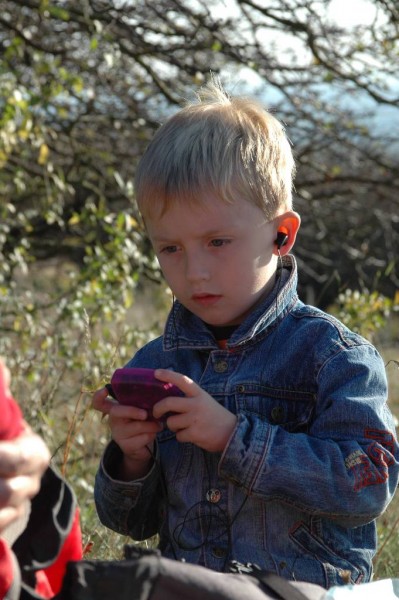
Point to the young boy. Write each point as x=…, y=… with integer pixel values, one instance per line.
x=282, y=451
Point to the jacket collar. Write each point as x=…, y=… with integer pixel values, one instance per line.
x=184, y=330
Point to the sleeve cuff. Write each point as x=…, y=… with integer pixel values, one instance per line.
x=246, y=451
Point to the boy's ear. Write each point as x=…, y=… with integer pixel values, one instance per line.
x=287, y=225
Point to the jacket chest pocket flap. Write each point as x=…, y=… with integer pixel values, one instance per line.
x=291, y=409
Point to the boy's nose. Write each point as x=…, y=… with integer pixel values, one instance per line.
x=196, y=268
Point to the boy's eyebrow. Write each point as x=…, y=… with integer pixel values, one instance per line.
x=157, y=240
x=210, y=233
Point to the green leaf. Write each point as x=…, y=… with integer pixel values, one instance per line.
x=94, y=43
x=58, y=13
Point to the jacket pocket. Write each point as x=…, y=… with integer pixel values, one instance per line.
x=291, y=409
x=337, y=569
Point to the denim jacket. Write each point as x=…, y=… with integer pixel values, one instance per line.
x=312, y=462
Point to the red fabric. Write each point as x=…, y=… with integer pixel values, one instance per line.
x=71, y=550
x=6, y=568
x=43, y=587
x=11, y=423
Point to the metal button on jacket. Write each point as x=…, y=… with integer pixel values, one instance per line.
x=219, y=552
x=277, y=414
x=221, y=366
x=213, y=496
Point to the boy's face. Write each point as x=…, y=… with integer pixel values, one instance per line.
x=216, y=257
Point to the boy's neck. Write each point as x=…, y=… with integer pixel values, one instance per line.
x=222, y=333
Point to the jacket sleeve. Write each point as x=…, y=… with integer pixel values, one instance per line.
x=129, y=508
x=345, y=467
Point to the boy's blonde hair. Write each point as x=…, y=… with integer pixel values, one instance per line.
x=230, y=147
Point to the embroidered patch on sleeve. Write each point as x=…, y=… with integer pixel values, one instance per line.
x=371, y=467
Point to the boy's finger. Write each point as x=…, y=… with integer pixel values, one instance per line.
x=101, y=401
x=173, y=405
x=184, y=383
x=124, y=411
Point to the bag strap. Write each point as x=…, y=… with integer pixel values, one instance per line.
x=269, y=581
x=280, y=586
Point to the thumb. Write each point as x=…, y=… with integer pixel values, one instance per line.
x=102, y=402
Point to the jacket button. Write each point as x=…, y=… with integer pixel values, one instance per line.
x=219, y=552
x=213, y=496
x=221, y=366
x=241, y=389
x=277, y=414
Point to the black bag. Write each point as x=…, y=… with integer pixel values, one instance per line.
x=146, y=575
x=142, y=575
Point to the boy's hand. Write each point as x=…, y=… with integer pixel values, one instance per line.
x=199, y=419
x=131, y=431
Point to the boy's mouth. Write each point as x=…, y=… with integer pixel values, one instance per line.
x=205, y=299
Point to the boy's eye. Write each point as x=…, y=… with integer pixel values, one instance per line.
x=219, y=242
x=169, y=249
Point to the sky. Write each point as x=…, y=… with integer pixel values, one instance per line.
x=343, y=12
x=352, y=12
